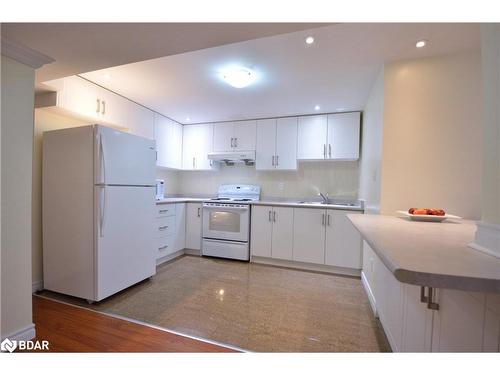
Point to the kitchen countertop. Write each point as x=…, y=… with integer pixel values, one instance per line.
x=266, y=202
x=430, y=254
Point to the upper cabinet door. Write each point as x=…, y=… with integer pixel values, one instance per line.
x=162, y=134
x=343, y=135
x=265, y=155
x=244, y=135
x=223, y=136
x=197, y=144
x=312, y=132
x=176, y=146
x=286, y=143
x=189, y=146
x=114, y=108
x=82, y=97
x=140, y=120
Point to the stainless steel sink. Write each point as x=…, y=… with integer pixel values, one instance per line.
x=330, y=202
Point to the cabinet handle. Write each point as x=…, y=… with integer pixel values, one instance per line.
x=324, y=151
x=199, y=214
x=103, y=107
x=431, y=305
x=423, y=297
x=232, y=144
x=274, y=216
x=193, y=162
x=98, y=108
x=210, y=162
x=163, y=247
x=277, y=160
x=328, y=219
x=236, y=142
x=323, y=219
x=163, y=227
x=273, y=160
x=269, y=215
x=330, y=151
x=163, y=211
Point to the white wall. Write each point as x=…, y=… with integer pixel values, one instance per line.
x=371, y=146
x=337, y=178
x=44, y=120
x=17, y=81
x=432, y=135
x=171, y=179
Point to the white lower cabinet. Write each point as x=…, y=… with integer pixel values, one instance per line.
x=460, y=321
x=193, y=226
x=343, y=241
x=271, y=232
x=309, y=235
x=180, y=226
x=170, y=228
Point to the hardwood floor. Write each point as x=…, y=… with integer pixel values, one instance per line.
x=73, y=329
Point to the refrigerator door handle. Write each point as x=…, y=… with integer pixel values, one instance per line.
x=102, y=159
x=102, y=210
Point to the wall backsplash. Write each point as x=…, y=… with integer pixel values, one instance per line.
x=337, y=178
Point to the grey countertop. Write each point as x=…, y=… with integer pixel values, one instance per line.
x=268, y=202
x=430, y=254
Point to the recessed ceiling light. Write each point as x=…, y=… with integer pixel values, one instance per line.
x=421, y=43
x=106, y=76
x=309, y=40
x=316, y=107
x=238, y=77
x=188, y=119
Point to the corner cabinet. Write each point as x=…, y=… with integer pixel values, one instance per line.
x=234, y=136
x=421, y=319
x=168, y=137
x=276, y=145
x=197, y=144
x=329, y=137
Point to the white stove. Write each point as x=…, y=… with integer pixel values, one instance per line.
x=226, y=222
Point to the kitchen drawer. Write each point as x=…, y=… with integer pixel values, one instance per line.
x=165, y=246
x=165, y=210
x=164, y=226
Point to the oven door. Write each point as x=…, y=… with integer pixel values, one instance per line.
x=230, y=223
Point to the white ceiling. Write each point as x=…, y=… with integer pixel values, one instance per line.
x=336, y=72
x=82, y=47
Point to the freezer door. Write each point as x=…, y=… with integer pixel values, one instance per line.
x=124, y=224
x=122, y=158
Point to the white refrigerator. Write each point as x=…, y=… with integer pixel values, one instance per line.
x=98, y=189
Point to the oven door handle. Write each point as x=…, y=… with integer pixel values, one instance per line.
x=226, y=208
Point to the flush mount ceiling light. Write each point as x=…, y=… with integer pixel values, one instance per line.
x=316, y=107
x=238, y=77
x=309, y=40
x=421, y=43
x=188, y=119
x=106, y=76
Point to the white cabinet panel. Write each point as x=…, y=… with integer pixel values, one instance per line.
x=82, y=97
x=343, y=241
x=197, y=143
x=180, y=226
x=343, y=135
x=193, y=226
x=458, y=325
x=175, y=149
x=286, y=143
x=244, y=135
x=114, y=108
x=261, y=231
x=223, y=136
x=140, y=120
x=417, y=322
x=168, y=136
x=312, y=134
x=309, y=235
x=266, y=144
x=282, y=234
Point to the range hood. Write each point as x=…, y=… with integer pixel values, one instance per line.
x=232, y=157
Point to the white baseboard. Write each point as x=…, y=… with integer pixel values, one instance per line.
x=192, y=252
x=24, y=334
x=169, y=257
x=369, y=293
x=36, y=286
x=306, y=266
x=487, y=238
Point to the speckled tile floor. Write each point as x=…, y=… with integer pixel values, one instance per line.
x=251, y=306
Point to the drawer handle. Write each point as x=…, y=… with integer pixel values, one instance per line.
x=431, y=305
x=163, y=211
x=163, y=247
x=163, y=227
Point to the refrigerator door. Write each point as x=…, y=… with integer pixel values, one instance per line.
x=123, y=159
x=124, y=224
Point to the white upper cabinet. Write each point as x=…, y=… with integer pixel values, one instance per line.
x=114, y=108
x=276, y=146
x=332, y=137
x=312, y=134
x=197, y=144
x=265, y=153
x=168, y=136
x=343, y=135
x=286, y=143
x=343, y=244
x=140, y=120
x=234, y=136
x=79, y=96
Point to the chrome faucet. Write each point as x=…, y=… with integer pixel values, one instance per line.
x=324, y=197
